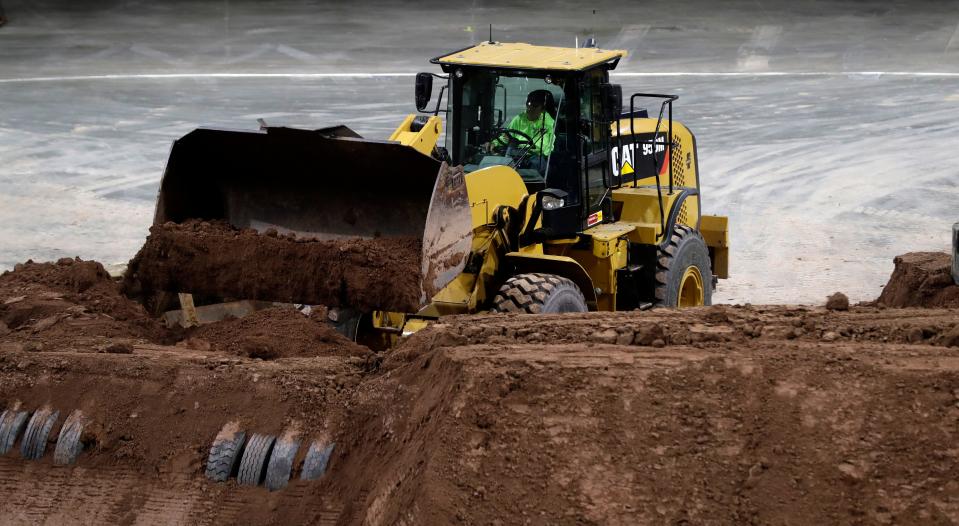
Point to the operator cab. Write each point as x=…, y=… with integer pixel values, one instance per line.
x=487, y=133
x=543, y=111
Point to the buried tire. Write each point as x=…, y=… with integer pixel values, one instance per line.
x=316, y=461
x=12, y=423
x=537, y=293
x=68, y=443
x=34, y=442
x=281, y=463
x=225, y=454
x=255, y=455
x=684, y=276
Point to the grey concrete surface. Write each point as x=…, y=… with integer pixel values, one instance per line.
x=825, y=129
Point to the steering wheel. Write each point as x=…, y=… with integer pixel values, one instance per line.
x=520, y=139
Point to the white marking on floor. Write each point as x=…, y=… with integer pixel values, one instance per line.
x=366, y=75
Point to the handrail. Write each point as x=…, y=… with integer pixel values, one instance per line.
x=657, y=160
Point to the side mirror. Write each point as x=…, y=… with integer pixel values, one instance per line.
x=424, y=90
x=612, y=100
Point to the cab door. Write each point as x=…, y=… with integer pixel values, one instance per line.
x=593, y=134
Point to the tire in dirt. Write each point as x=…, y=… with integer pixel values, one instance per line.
x=317, y=458
x=683, y=258
x=34, y=442
x=11, y=425
x=68, y=443
x=255, y=457
x=225, y=454
x=281, y=464
x=538, y=293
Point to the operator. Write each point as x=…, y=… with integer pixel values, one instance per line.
x=539, y=125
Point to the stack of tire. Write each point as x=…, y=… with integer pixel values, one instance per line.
x=264, y=460
x=33, y=429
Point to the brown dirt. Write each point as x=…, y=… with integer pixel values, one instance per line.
x=215, y=259
x=279, y=332
x=921, y=279
x=71, y=303
x=561, y=420
x=721, y=415
x=837, y=301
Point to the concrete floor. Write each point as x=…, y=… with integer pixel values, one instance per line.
x=825, y=128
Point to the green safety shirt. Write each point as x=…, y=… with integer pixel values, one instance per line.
x=540, y=130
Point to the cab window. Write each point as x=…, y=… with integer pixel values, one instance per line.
x=512, y=120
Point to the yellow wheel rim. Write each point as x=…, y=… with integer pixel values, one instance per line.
x=691, y=292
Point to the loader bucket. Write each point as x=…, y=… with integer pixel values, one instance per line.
x=350, y=218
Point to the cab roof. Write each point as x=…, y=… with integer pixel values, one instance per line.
x=527, y=56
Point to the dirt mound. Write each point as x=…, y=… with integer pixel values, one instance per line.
x=69, y=302
x=153, y=415
x=212, y=258
x=837, y=301
x=921, y=279
x=488, y=425
x=280, y=332
x=718, y=415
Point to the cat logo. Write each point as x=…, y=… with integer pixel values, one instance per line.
x=624, y=161
x=623, y=165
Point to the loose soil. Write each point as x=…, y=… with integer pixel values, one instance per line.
x=279, y=332
x=921, y=279
x=714, y=415
x=70, y=303
x=215, y=259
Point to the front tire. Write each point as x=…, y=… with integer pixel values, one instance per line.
x=684, y=276
x=536, y=293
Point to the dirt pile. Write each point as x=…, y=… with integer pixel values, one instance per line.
x=70, y=302
x=153, y=414
x=214, y=259
x=554, y=420
x=837, y=301
x=921, y=279
x=720, y=415
x=280, y=332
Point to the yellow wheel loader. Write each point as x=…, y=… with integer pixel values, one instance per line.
x=550, y=194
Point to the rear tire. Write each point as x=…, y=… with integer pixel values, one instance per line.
x=537, y=293
x=684, y=276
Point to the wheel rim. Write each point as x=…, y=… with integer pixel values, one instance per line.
x=691, y=292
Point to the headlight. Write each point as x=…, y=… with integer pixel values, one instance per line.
x=552, y=203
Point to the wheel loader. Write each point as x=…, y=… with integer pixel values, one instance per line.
x=596, y=207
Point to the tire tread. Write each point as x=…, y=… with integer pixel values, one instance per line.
x=664, y=261
x=526, y=293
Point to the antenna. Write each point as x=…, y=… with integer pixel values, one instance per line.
x=591, y=41
x=491, y=33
